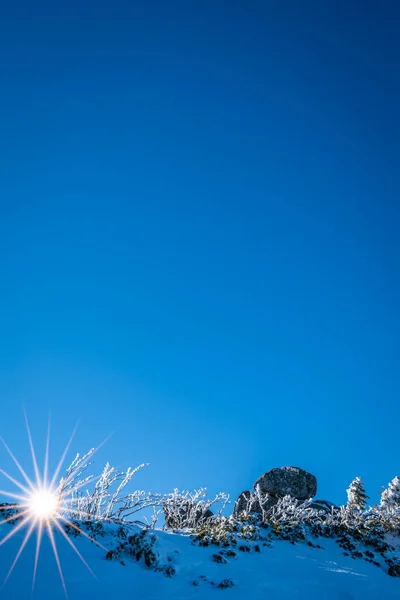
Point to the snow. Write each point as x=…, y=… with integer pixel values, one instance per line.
x=280, y=572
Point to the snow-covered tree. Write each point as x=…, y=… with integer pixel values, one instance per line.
x=390, y=498
x=356, y=495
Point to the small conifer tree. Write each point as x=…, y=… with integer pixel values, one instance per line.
x=356, y=495
x=390, y=498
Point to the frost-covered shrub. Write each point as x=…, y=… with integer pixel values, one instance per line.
x=290, y=510
x=107, y=500
x=189, y=510
x=228, y=532
x=254, y=502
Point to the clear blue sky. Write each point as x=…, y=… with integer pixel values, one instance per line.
x=199, y=213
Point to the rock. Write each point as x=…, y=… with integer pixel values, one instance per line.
x=291, y=481
x=178, y=519
x=276, y=484
x=249, y=502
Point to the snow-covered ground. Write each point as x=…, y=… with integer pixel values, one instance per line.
x=282, y=571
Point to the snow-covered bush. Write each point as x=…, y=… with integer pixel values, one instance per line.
x=253, y=502
x=289, y=510
x=229, y=531
x=189, y=510
x=107, y=500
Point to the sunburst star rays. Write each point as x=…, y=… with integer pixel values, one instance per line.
x=42, y=507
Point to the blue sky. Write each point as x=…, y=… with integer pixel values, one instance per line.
x=199, y=237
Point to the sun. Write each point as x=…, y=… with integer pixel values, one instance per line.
x=43, y=504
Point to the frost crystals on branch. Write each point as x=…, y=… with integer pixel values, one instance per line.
x=72, y=482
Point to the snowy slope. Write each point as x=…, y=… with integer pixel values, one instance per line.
x=283, y=571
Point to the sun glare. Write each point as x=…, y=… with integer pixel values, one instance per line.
x=43, y=504
x=41, y=508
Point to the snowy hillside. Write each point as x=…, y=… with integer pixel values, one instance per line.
x=278, y=542
x=281, y=571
